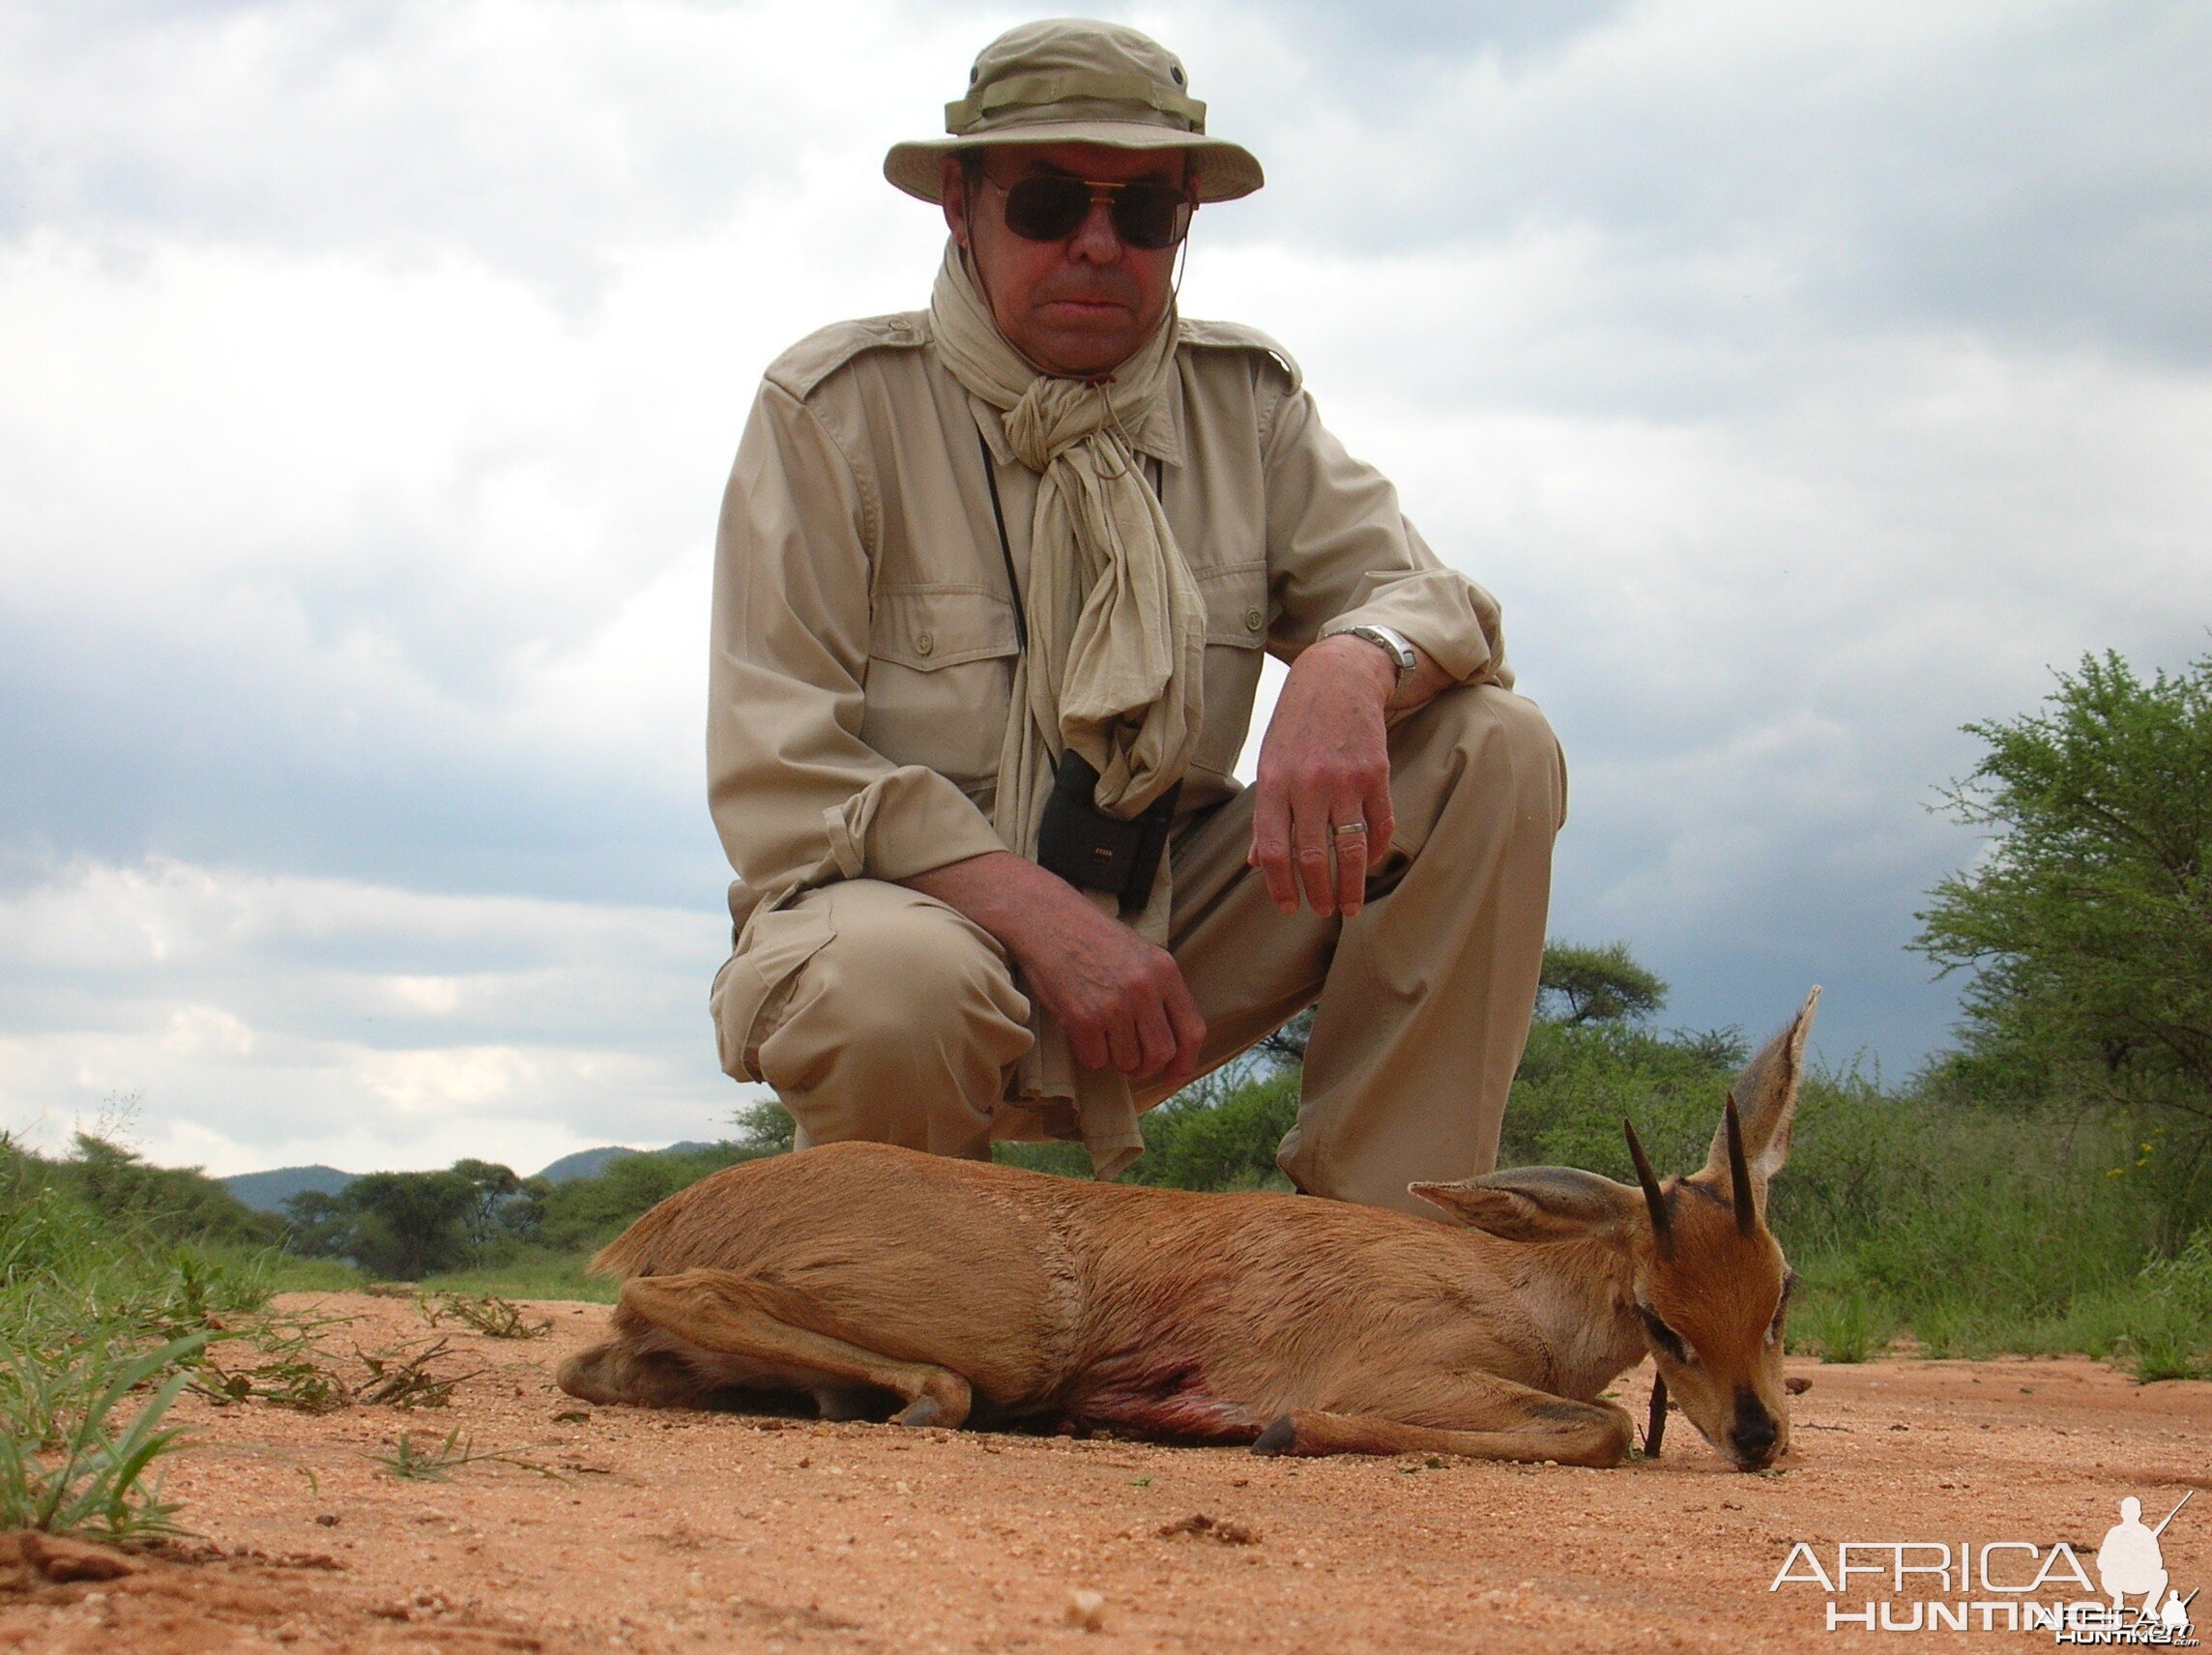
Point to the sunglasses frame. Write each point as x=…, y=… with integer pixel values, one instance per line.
x=1114, y=192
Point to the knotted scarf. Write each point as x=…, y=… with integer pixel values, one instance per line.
x=1117, y=634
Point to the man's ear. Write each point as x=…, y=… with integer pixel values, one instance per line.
x=953, y=191
x=1536, y=1204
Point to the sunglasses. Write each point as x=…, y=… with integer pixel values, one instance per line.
x=1049, y=207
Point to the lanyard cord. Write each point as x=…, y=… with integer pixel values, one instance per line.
x=1006, y=546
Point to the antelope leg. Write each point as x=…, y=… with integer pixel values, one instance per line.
x=722, y=1311
x=1498, y=1421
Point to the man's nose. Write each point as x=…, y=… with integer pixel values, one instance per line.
x=1096, y=238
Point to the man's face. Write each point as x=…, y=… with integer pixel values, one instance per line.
x=1082, y=304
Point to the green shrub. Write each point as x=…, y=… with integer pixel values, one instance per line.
x=95, y=1307
x=584, y=1214
x=1849, y=1326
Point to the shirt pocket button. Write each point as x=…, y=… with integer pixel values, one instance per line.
x=924, y=643
x=1254, y=619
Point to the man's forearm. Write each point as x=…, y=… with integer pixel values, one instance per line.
x=1121, y=1000
x=1006, y=894
x=1429, y=680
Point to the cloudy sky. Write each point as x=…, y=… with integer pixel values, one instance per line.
x=1807, y=378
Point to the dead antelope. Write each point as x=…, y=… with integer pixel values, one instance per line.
x=969, y=1291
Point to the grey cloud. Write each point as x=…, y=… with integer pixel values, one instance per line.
x=401, y=131
x=229, y=746
x=1383, y=41
x=2039, y=176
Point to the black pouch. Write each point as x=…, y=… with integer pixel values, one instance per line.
x=1087, y=846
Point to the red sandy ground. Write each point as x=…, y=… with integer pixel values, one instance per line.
x=714, y=1532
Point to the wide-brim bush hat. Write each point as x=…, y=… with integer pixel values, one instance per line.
x=1074, y=81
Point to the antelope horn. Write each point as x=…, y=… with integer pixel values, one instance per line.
x=1652, y=1199
x=1740, y=1172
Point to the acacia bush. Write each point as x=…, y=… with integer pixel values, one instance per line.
x=2086, y=925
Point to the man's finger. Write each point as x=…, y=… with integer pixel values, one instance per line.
x=1351, y=841
x=1309, y=838
x=1271, y=847
x=1157, y=1038
x=1190, y=1033
x=1126, y=1048
x=1382, y=828
x=1088, y=1042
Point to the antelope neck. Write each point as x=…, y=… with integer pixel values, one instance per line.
x=1580, y=1297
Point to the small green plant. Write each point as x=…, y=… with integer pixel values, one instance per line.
x=427, y=1465
x=91, y=1475
x=296, y=1382
x=402, y=1378
x=437, y=1464
x=487, y=1313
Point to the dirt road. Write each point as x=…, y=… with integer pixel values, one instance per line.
x=699, y=1533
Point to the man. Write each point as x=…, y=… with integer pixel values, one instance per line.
x=991, y=589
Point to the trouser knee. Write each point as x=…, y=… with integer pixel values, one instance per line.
x=1481, y=745
x=898, y=1030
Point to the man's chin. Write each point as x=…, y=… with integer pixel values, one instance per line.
x=1082, y=351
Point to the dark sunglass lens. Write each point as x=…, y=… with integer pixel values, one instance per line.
x=1046, y=209
x=1151, y=216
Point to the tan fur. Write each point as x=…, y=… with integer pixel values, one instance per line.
x=942, y=1288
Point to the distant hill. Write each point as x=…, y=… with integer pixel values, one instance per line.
x=267, y=1192
x=591, y=1163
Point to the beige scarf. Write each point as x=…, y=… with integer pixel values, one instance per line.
x=1116, y=636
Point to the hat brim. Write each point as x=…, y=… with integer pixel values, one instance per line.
x=1224, y=171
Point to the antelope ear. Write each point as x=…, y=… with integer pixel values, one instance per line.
x=1765, y=1097
x=1536, y=1204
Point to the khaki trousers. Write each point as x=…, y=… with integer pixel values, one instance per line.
x=879, y=1013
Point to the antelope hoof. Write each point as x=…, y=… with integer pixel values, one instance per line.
x=923, y=1411
x=1280, y=1438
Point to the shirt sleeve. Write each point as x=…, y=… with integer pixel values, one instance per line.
x=1341, y=555
x=797, y=796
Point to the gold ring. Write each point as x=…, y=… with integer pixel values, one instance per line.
x=1344, y=828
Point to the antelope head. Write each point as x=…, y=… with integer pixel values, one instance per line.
x=1709, y=1281
x=1688, y=1264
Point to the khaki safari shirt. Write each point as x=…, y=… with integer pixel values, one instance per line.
x=863, y=625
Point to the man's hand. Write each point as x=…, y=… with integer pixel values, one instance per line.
x=1122, y=1002
x=1325, y=764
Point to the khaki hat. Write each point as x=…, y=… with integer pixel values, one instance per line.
x=1073, y=82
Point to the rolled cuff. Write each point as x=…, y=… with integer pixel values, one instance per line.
x=905, y=823
x=1443, y=613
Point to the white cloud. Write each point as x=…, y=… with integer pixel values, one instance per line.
x=260, y=1019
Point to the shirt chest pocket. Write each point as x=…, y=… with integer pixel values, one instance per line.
x=1236, y=633
x=941, y=671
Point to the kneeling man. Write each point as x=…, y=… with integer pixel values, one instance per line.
x=992, y=587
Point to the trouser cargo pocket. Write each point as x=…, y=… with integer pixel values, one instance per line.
x=756, y=980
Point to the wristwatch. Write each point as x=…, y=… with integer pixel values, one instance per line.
x=1394, y=644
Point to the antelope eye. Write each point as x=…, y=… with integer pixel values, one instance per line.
x=1663, y=1337
x=1781, y=1309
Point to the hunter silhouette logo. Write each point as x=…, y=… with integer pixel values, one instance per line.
x=2131, y=1562
x=2006, y=1586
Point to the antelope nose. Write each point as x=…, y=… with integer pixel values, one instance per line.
x=1753, y=1436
